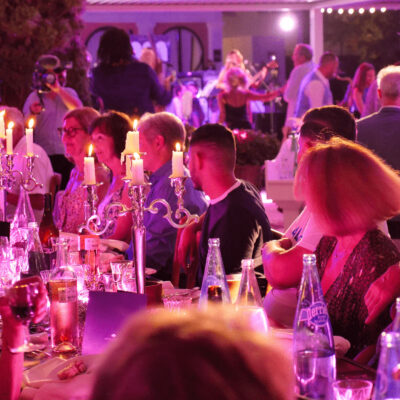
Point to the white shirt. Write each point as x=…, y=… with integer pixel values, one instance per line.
x=292, y=89
x=42, y=172
x=315, y=90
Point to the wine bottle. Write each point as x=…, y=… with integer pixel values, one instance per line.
x=47, y=228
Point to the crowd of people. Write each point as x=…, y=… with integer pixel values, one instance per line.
x=346, y=176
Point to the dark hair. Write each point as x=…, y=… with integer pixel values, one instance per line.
x=322, y=123
x=360, y=76
x=116, y=125
x=115, y=46
x=215, y=134
x=327, y=58
x=305, y=50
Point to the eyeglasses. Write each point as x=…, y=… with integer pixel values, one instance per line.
x=70, y=132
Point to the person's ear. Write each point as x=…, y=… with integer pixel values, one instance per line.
x=159, y=142
x=379, y=93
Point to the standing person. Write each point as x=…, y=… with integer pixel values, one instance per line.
x=123, y=83
x=69, y=208
x=357, y=91
x=314, y=89
x=234, y=102
x=48, y=105
x=159, y=134
x=303, y=65
x=236, y=214
x=42, y=169
x=108, y=133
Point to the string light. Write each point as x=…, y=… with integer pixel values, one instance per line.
x=361, y=11
x=322, y=10
x=329, y=10
x=351, y=11
x=340, y=11
x=383, y=9
x=372, y=10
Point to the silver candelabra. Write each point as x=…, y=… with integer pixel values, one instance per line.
x=137, y=195
x=9, y=176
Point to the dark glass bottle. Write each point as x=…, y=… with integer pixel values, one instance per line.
x=47, y=228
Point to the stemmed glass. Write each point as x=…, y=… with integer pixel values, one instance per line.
x=22, y=298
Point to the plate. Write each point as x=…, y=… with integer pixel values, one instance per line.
x=46, y=372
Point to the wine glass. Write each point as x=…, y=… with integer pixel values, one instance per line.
x=21, y=299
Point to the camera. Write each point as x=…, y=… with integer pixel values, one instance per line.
x=46, y=72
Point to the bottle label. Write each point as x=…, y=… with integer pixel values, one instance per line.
x=91, y=244
x=67, y=294
x=316, y=314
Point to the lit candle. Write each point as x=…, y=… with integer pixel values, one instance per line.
x=9, y=136
x=177, y=162
x=128, y=165
x=2, y=126
x=29, y=138
x=137, y=170
x=132, y=140
x=88, y=168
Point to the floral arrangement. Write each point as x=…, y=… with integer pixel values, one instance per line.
x=254, y=147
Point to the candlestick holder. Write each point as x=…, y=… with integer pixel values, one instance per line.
x=137, y=197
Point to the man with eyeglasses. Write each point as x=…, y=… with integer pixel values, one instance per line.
x=48, y=104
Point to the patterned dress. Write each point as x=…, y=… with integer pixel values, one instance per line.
x=370, y=258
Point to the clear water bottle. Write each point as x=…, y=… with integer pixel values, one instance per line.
x=214, y=287
x=313, y=346
x=36, y=260
x=249, y=292
x=63, y=293
x=387, y=384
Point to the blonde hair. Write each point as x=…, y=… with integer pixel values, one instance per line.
x=236, y=77
x=169, y=126
x=197, y=355
x=347, y=187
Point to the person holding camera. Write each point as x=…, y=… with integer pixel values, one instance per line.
x=48, y=104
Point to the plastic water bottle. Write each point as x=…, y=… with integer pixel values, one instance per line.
x=214, y=287
x=313, y=346
x=387, y=384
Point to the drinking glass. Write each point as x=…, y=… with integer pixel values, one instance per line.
x=107, y=282
x=118, y=268
x=21, y=298
x=352, y=389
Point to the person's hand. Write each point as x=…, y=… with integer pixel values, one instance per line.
x=187, y=244
x=36, y=108
x=382, y=293
x=54, y=87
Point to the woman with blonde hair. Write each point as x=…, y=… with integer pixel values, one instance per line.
x=349, y=190
x=193, y=356
x=234, y=102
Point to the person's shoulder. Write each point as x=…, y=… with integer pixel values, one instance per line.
x=246, y=198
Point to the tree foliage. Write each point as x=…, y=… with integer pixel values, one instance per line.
x=371, y=37
x=30, y=28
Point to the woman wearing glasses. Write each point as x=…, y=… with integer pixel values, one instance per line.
x=69, y=206
x=108, y=136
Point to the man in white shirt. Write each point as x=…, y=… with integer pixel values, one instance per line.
x=314, y=89
x=303, y=65
x=42, y=170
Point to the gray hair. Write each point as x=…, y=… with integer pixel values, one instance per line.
x=305, y=50
x=389, y=81
x=169, y=126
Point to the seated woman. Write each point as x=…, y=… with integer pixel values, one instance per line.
x=108, y=136
x=349, y=190
x=234, y=102
x=195, y=355
x=69, y=206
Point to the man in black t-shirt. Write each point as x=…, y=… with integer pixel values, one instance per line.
x=236, y=214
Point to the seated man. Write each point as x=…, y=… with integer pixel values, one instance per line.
x=159, y=134
x=236, y=214
x=42, y=170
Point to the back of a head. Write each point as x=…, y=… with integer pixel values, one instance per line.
x=322, y=123
x=347, y=187
x=389, y=81
x=192, y=356
x=115, y=124
x=305, y=50
x=14, y=115
x=235, y=77
x=84, y=115
x=327, y=58
x=218, y=143
x=114, y=47
x=169, y=126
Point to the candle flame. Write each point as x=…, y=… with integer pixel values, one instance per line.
x=178, y=147
x=30, y=123
x=90, y=150
x=10, y=125
x=135, y=124
x=2, y=113
x=137, y=156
